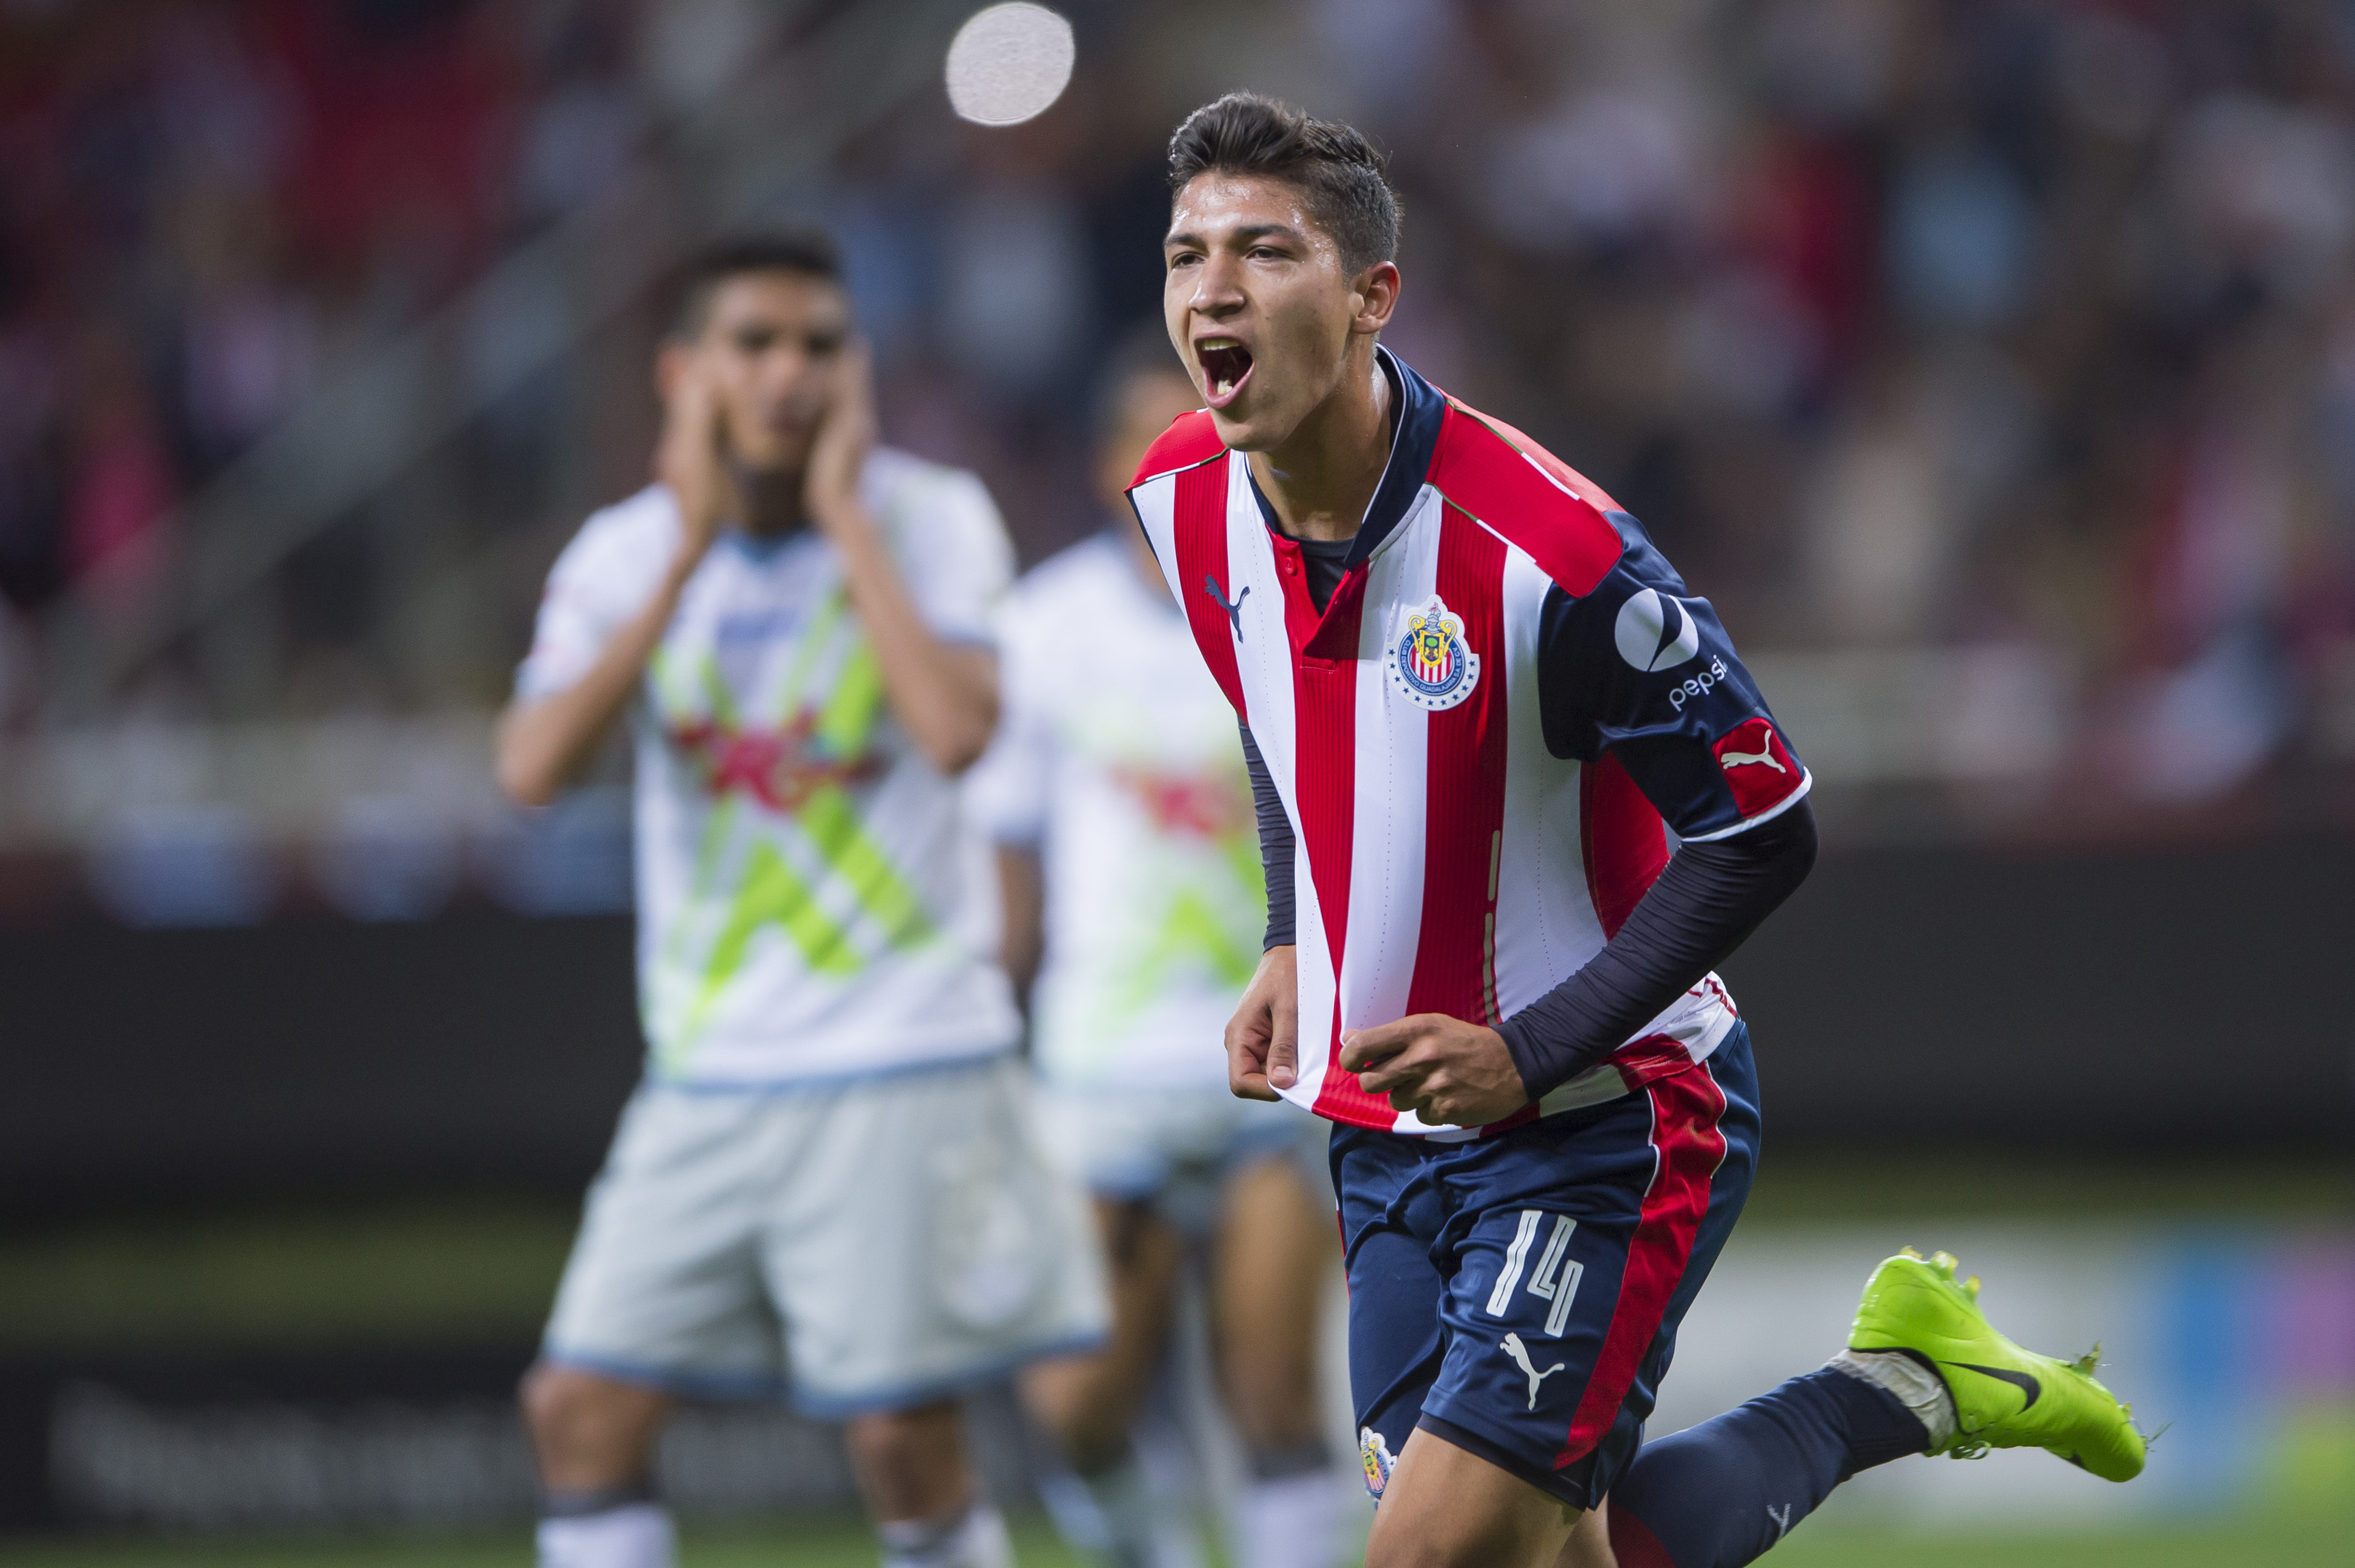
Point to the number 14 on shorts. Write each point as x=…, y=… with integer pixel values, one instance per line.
x=1557, y=1274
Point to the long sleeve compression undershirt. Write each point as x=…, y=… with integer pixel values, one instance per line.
x=1275, y=844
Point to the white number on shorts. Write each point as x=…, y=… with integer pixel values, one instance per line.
x=1563, y=1290
x=1546, y=1285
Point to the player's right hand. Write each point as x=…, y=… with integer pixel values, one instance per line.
x=690, y=461
x=1263, y=1037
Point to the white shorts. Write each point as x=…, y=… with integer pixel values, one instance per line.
x=899, y=1238
x=1175, y=1148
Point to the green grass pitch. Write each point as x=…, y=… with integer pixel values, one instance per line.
x=845, y=1544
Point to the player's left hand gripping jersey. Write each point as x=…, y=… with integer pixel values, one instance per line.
x=1477, y=740
x=811, y=902
x=1115, y=756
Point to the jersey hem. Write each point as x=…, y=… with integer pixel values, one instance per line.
x=1618, y=1076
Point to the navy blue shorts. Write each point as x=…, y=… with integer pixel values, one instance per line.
x=1519, y=1294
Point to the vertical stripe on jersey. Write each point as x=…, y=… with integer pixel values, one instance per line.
x=1205, y=584
x=1390, y=848
x=1621, y=841
x=1464, y=833
x=1687, y=1147
x=1325, y=726
x=1545, y=921
x=1265, y=668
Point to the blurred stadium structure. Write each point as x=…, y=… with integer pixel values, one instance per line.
x=1991, y=366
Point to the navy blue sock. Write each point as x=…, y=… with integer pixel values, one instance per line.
x=1719, y=1494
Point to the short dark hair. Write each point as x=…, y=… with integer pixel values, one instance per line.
x=805, y=249
x=1345, y=178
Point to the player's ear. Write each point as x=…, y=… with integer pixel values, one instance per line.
x=1377, y=289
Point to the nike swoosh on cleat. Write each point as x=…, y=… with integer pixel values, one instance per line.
x=2020, y=1380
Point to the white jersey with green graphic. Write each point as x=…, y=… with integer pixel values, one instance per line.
x=1118, y=758
x=812, y=903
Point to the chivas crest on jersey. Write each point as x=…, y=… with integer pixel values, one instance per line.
x=1429, y=665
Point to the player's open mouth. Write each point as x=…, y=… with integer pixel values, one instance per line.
x=1226, y=366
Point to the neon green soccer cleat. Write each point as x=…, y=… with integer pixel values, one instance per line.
x=2004, y=1397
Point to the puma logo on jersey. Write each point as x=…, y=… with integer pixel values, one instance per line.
x=1234, y=611
x=1758, y=768
x=1511, y=1344
x=1747, y=759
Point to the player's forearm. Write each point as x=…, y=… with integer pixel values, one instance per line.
x=1707, y=902
x=543, y=746
x=944, y=695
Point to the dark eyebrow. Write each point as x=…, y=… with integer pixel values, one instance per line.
x=1246, y=236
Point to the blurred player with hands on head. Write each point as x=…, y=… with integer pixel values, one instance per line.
x=1473, y=692
x=832, y=1147
x=1135, y=894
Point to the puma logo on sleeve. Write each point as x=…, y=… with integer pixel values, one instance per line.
x=1740, y=759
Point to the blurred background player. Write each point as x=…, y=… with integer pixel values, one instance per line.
x=830, y=1144
x=1135, y=903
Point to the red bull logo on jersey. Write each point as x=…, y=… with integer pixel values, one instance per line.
x=1430, y=665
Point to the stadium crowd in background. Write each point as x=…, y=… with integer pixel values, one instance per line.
x=1991, y=366
x=2026, y=332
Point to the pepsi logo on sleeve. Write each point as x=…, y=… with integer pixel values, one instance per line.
x=1655, y=632
x=1759, y=769
x=1430, y=664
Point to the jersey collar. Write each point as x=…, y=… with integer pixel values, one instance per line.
x=1422, y=408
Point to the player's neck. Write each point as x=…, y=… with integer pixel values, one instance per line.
x=1322, y=477
x=773, y=503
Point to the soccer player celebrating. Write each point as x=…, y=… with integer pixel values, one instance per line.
x=830, y=1148
x=1474, y=692
x=1135, y=893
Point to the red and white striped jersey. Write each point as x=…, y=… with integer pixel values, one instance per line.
x=1476, y=740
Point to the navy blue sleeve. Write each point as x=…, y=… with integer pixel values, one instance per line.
x=1642, y=670
x=1275, y=845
